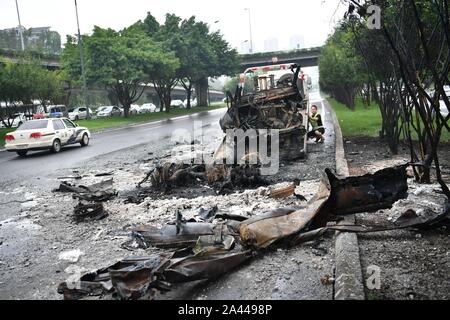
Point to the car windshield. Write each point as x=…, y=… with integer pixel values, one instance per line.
x=31, y=125
x=71, y=110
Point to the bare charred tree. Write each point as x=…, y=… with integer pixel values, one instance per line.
x=418, y=35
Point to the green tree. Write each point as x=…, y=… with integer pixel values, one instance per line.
x=122, y=62
x=201, y=54
x=24, y=82
x=341, y=70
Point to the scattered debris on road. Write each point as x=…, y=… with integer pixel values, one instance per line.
x=71, y=256
x=205, y=250
x=284, y=192
x=89, y=211
x=98, y=192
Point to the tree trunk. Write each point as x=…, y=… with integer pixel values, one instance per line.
x=167, y=100
x=188, y=96
x=126, y=109
x=201, y=89
x=187, y=85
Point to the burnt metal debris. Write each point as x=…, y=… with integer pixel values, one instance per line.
x=97, y=192
x=206, y=250
x=90, y=199
x=224, y=178
x=89, y=211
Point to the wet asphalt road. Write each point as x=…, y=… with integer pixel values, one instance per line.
x=13, y=167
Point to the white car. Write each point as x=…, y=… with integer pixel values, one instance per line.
x=109, y=111
x=79, y=113
x=177, y=104
x=193, y=102
x=147, y=107
x=41, y=134
x=134, y=109
x=16, y=120
x=442, y=106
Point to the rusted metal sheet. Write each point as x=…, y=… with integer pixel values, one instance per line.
x=203, y=267
x=261, y=233
x=136, y=278
x=169, y=237
x=369, y=192
x=365, y=193
x=284, y=192
x=97, y=192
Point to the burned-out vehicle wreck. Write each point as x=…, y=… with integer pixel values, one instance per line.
x=275, y=104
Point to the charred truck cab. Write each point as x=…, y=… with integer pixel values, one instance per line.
x=278, y=99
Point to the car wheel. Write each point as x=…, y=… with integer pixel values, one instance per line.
x=85, y=140
x=22, y=153
x=56, y=146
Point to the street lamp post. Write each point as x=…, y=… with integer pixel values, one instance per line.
x=20, y=27
x=83, y=74
x=242, y=47
x=250, y=29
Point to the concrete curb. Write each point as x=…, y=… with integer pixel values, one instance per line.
x=348, y=274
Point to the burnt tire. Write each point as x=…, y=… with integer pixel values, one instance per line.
x=84, y=140
x=56, y=146
x=22, y=153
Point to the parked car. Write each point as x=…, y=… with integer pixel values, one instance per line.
x=41, y=134
x=53, y=111
x=193, y=102
x=15, y=120
x=442, y=106
x=58, y=111
x=147, y=107
x=177, y=104
x=134, y=109
x=100, y=109
x=79, y=113
x=109, y=111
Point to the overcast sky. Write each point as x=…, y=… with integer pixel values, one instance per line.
x=281, y=19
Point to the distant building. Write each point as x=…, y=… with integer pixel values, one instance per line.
x=297, y=42
x=40, y=39
x=271, y=44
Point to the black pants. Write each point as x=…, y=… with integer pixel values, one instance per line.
x=312, y=133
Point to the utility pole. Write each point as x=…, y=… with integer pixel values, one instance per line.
x=83, y=73
x=20, y=27
x=250, y=28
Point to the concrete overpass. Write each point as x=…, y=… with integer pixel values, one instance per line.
x=308, y=57
x=51, y=63
x=304, y=57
